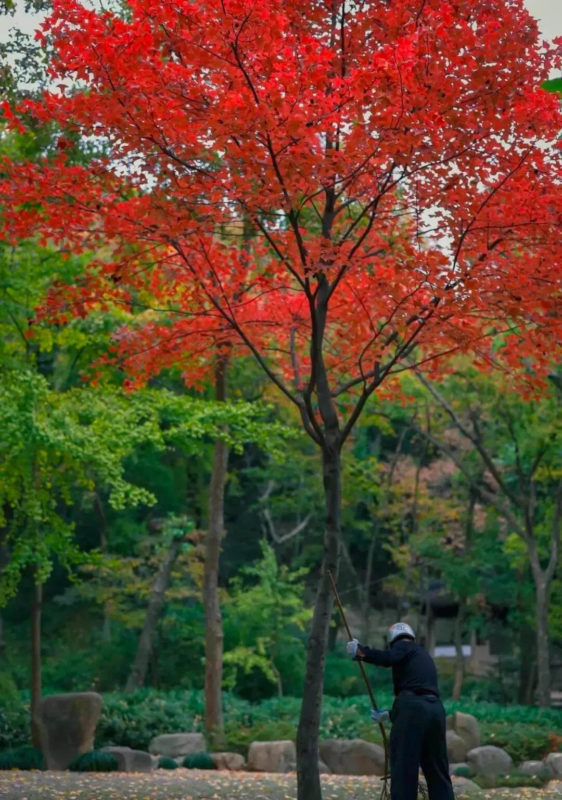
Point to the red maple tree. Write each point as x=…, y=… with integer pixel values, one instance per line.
x=390, y=167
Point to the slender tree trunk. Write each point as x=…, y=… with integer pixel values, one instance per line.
x=430, y=630
x=543, y=644
x=527, y=665
x=459, y=659
x=308, y=776
x=366, y=615
x=36, y=608
x=137, y=675
x=213, y=619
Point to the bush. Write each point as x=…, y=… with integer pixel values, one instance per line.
x=198, y=761
x=463, y=771
x=14, y=726
x=24, y=757
x=165, y=762
x=510, y=781
x=523, y=741
x=94, y=761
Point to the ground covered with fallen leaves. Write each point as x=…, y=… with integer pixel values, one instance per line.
x=196, y=785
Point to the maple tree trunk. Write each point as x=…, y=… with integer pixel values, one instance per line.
x=36, y=608
x=137, y=675
x=214, y=636
x=308, y=776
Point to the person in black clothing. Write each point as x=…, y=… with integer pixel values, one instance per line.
x=417, y=737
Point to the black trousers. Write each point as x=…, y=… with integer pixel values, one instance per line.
x=417, y=739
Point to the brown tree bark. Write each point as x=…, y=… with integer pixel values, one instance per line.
x=459, y=658
x=527, y=665
x=137, y=676
x=36, y=609
x=308, y=777
x=214, y=727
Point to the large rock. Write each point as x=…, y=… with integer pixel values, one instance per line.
x=464, y=787
x=129, y=760
x=531, y=768
x=277, y=756
x=232, y=761
x=489, y=761
x=177, y=745
x=466, y=726
x=67, y=723
x=456, y=747
x=553, y=763
x=352, y=757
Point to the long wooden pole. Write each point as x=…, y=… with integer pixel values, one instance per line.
x=384, y=791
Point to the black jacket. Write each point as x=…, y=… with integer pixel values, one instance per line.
x=412, y=666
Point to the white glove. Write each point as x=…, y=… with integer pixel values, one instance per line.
x=352, y=647
x=378, y=715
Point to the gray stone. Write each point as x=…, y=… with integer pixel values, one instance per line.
x=456, y=747
x=176, y=745
x=531, y=768
x=323, y=768
x=129, y=760
x=553, y=763
x=466, y=726
x=464, y=787
x=231, y=761
x=67, y=723
x=352, y=757
x=279, y=756
x=489, y=761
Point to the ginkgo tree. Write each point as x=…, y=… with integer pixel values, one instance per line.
x=396, y=163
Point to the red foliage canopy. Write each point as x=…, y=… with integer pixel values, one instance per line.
x=341, y=188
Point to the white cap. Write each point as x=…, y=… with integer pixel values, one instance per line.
x=400, y=629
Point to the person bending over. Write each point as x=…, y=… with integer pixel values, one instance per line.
x=417, y=737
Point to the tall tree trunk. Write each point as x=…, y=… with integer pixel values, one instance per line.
x=366, y=610
x=137, y=675
x=308, y=776
x=36, y=608
x=214, y=727
x=527, y=665
x=543, y=645
x=459, y=658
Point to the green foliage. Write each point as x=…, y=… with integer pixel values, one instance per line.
x=165, y=762
x=14, y=726
x=198, y=761
x=511, y=781
x=23, y=757
x=9, y=695
x=554, y=85
x=523, y=741
x=95, y=761
x=463, y=771
x=265, y=616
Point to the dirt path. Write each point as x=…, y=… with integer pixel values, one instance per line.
x=184, y=784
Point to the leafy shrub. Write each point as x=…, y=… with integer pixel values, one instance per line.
x=10, y=697
x=14, y=726
x=510, y=781
x=198, y=761
x=523, y=741
x=94, y=761
x=24, y=757
x=463, y=771
x=165, y=762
